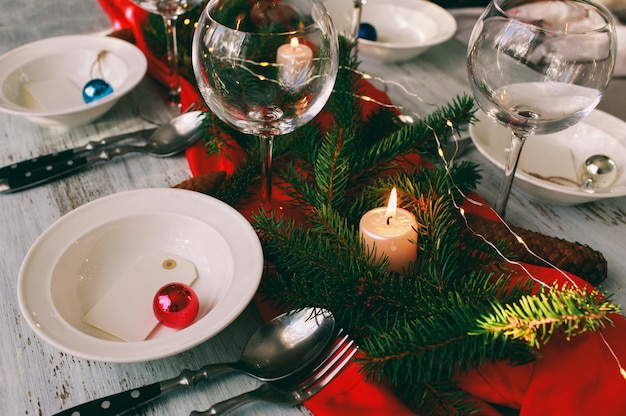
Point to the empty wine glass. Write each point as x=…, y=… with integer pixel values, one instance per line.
x=265, y=67
x=538, y=67
x=170, y=10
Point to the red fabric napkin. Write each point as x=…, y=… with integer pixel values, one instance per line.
x=576, y=377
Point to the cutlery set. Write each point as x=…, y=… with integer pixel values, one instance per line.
x=293, y=390
x=167, y=140
x=296, y=355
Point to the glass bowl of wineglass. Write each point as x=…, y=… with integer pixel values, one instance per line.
x=539, y=67
x=169, y=10
x=265, y=67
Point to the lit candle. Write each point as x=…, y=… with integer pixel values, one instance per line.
x=391, y=231
x=294, y=60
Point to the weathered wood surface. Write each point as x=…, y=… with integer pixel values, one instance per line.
x=37, y=379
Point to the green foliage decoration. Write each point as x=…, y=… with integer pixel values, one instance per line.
x=456, y=307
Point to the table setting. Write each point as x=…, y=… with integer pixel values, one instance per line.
x=237, y=186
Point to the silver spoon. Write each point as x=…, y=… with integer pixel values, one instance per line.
x=168, y=140
x=278, y=349
x=599, y=171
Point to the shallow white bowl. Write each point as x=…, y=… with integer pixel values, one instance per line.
x=405, y=28
x=558, y=155
x=80, y=257
x=64, y=65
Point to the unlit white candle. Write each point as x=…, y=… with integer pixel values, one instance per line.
x=392, y=232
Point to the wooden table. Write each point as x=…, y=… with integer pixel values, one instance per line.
x=36, y=378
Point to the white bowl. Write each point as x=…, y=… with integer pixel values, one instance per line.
x=93, y=249
x=405, y=28
x=550, y=166
x=43, y=80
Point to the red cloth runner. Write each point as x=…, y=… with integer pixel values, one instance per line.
x=576, y=377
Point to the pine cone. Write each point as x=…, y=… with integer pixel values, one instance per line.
x=124, y=34
x=576, y=258
x=206, y=184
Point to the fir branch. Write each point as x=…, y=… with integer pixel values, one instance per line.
x=413, y=137
x=535, y=318
x=452, y=310
x=344, y=105
x=435, y=347
x=219, y=138
x=332, y=170
x=236, y=187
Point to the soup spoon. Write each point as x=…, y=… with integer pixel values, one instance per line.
x=285, y=345
x=167, y=140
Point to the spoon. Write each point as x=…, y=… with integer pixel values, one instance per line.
x=278, y=349
x=167, y=140
x=599, y=172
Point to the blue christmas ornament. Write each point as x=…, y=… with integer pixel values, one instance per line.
x=367, y=31
x=96, y=89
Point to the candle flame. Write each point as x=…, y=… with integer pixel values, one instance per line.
x=294, y=43
x=392, y=204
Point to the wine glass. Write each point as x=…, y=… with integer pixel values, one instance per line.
x=169, y=10
x=265, y=67
x=538, y=67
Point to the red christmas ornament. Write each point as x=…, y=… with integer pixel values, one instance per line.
x=175, y=305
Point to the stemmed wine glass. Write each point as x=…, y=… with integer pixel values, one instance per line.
x=265, y=67
x=538, y=67
x=169, y=10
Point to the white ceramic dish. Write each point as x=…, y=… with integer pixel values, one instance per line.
x=405, y=28
x=62, y=66
x=79, y=257
x=559, y=155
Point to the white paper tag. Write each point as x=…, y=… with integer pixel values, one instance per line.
x=549, y=162
x=51, y=94
x=125, y=311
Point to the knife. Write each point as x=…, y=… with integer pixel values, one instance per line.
x=45, y=161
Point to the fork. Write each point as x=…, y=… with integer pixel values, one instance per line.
x=296, y=389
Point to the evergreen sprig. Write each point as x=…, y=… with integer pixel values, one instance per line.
x=535, y=318
x=456, y=307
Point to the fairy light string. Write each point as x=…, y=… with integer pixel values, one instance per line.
x=406, y=113
x=466, y=199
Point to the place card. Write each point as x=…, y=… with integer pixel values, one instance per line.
x=550, y=162
x=125, y=311
x=51, y=94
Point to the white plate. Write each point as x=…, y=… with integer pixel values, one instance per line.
x=73, y=263
x=64, y=65
x=560, y=154
x=405, y=28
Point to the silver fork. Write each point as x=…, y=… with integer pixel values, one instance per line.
x=293, y=391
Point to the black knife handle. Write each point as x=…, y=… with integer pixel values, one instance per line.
x=34, y=163
x=46, y=161
x=115, y=403
x=29, y=178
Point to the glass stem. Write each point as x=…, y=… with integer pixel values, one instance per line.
x=266, y=145
x=173, y=97
x=517, y=142
x=356, y=18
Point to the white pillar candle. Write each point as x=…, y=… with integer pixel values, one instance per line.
x=294, y=60
x=391, y=231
